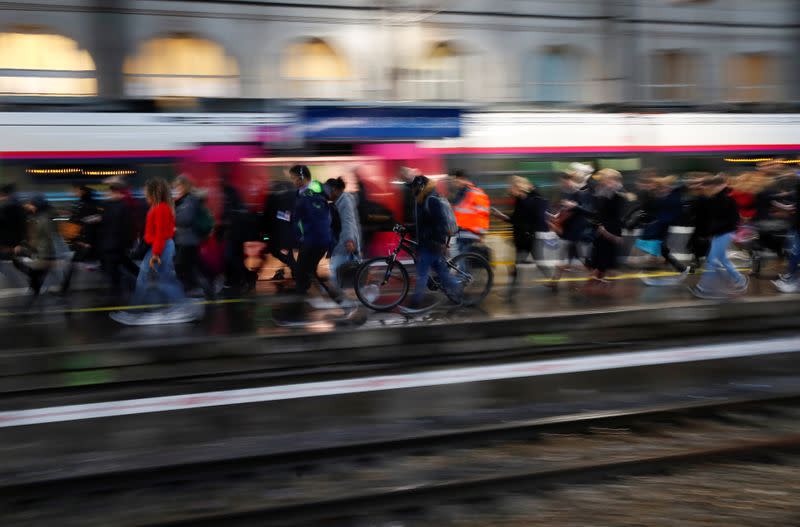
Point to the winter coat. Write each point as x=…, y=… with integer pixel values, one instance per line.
x=528, y=218
x=116, y=229
x=186, y=210
x=278, y=219
x=312, y=218
x=430, y=220
x=666, y=211
x=41, y=239
x=12, y=223
x=722, y=213
x=350, y=225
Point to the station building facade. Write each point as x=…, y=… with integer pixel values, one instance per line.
x=573, y=52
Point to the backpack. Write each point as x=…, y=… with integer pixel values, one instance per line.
x=448, y=216
x=203, y=222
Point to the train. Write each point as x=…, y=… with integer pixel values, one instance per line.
x=49, y=151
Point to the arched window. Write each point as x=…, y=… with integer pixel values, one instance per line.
x=314, y=69
x=674, y=76
x=37, y=63
x=555, y=75
x=439, y=75
x=181, y=66
x=753, y=77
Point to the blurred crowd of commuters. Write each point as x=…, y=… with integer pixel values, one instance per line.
x=185, y=251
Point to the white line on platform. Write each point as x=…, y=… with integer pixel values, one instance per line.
x=396, y=382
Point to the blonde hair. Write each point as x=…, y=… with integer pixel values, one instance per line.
x=666, y=181
x=608, y=174
x=750, y=182
x=520, y=183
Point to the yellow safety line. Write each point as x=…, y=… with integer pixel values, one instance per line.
x=629, y=276
x=128, y=308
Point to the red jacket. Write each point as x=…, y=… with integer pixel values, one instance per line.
x=746, y=203
x=160, y=227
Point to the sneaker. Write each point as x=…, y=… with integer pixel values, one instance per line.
x=741, y=287
x=705, y=294
x=786, y=286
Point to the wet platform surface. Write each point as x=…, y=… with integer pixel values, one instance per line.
x=83, y=318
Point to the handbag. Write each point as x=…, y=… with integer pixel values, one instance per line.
x=346, y=273
x=139, y=250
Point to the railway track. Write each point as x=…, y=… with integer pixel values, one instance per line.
x=357, y=479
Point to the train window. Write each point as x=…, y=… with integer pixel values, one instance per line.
x=623, y=165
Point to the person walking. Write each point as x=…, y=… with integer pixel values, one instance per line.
x=570, y=227
x=724, y=220
x=85, y=216
x=116, y=236
x=157, y=284
x=188, y=211
x=277, y=226
x=472, y=210
x=432, y=238
x=607, y=219
x=313, y=226
x=528, y=219
x=789, y=282
x=36, y=255
x=347, y=243
x=13, y=222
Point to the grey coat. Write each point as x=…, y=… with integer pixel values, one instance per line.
x=351, y=228
x=186, y=210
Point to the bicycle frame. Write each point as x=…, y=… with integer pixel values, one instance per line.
x=410, y=247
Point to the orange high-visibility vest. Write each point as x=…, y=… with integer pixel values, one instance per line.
x=472, y=213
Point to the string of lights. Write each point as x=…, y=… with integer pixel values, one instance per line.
x=81, y=171
x=763, y=160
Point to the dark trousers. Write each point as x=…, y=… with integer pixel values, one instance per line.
x=307, y=262
x=670, y=258
x=286, y=259
x=35, y=276
x=81, y=253
x=187, y=265
x=116, y=265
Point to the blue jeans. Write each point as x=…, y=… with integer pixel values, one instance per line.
x=160, y=286
x=717, y=260
x=794, y=253
x=427, y=260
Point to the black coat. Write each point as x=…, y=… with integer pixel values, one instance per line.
x=116, y=228
x=609, y=211
x=528, y=218
x=13, y=223
x=84, y=213
x=722, y=213
x=277, y=222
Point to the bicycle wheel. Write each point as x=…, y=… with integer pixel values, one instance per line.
x=475, y=275
x=379, y=286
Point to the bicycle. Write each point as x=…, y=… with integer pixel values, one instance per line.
x=383, y=283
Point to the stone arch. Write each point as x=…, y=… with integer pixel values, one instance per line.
x=35, y=61
x=181, y=65
x=312, y=68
